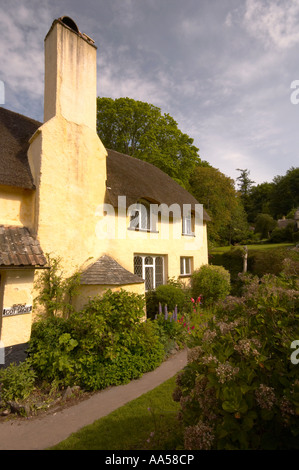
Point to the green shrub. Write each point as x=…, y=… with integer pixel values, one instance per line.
x=211, y=283
x=296, y=237
x=50, y=349
x=240, y=389
x=268, y=261
x=55, y=293
x=171, y=296
x=17, y=381
x=104, y=344
x=284, y=234
x=152, y=304
x=232, y=260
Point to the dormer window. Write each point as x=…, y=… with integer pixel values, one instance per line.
x=140, y=216
x=187, y=225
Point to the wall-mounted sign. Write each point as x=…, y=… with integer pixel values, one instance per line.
x=17, y=309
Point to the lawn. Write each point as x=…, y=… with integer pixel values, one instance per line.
x=146, y=423
x=266, y=246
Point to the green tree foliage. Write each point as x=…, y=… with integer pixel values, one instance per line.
x=278, y=198
x=264, y=224
x=245, y=186
x=218, y=195
x=55, y=292
x=139, y=129
x=285, y=194
x=259, y=200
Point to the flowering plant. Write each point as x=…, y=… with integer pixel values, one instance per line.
x=240, y=389
x=196, y=304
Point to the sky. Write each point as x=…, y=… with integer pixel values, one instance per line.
x=223, y=69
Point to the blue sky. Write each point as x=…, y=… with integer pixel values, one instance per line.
x=221, y=68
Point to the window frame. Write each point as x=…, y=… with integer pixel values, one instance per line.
x=188, y=224
x=183, y=264
x=141, y=225
x=150, y=266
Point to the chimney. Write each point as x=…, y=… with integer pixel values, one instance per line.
x=70, y=74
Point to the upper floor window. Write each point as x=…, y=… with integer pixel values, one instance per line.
x=188, y=222
x=140, y=216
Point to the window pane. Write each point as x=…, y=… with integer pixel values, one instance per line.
x=188, y=265
x=149, y=260
x=145, y=217
x=182, y=266
x=138, y=265
x=159, y=270
x=134, y=219
x=187, y=225
x=149, y=278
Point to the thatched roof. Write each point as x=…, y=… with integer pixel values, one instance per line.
x=136, y=179
x=126, y=176
x=19, y=248
x=106, y=271
x=15, y=131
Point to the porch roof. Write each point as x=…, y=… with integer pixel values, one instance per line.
x=19, y=248
x=107, y=271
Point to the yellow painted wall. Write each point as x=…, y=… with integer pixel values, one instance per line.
x=16, y=206
x=17, y=286
x=88, y=292
x=122, y=243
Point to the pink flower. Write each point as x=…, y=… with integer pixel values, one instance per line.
x=192, y=300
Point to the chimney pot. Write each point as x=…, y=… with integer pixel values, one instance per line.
x=70, y=23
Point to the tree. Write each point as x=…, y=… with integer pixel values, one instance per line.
x=245, y=185
x=264, y=224
x=140, y=130
x=245, y=182
x=258, y=201
x=285, y=194
x=217, y=193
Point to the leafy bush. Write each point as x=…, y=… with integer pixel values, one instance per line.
x=232, y=260
x=17, y=381
x=105, y=344
x=211, y=283
x=271, y=261
x=240, y=389
x=171, y=296
x=55, y=293
x=284, y=234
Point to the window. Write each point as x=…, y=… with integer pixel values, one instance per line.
x=186, y=266
x=187, y=224
x=140, y=218
x=151, y=269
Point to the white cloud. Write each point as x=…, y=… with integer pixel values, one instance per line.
x=273, y=22
x=21, y=54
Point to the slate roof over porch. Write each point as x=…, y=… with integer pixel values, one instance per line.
x=19, y=248
x=106, y=271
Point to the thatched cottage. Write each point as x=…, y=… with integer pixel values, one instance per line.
x=121, y=221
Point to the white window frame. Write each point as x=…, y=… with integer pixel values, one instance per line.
x=186, y=265
x=187, y=224
x=140, y=216
x=152, y=266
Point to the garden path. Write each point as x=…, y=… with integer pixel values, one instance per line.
x=39, y=433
